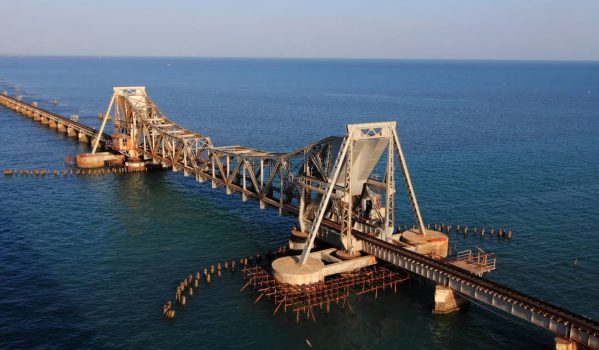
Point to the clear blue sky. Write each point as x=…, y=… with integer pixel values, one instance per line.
x=463, y=29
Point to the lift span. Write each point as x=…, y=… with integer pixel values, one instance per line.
x=333, y=188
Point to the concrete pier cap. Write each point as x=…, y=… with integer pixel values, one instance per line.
x=289, y=270
x=434, y=242
x=94, y=160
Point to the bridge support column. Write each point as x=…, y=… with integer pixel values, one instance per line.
x=199, y=178
x=262, y=205
x=52, y=124
x=214, y=184
x=564, y=344
x=229, y=190
x=45, y=121
x=71, y=132
x=447, y=301
x=61, y=128
x=37, y=117
x=82, y=138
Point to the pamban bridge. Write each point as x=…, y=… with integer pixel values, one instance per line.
x=346, y=239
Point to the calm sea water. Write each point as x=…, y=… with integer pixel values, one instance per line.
x=87, y=262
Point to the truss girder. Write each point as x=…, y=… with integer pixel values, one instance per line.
x=332, y=175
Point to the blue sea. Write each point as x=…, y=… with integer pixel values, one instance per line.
x=86, y=262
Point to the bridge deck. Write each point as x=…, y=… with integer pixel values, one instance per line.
x=14, y=103
x=565, y=323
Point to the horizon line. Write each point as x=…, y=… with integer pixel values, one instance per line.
x=578, y=60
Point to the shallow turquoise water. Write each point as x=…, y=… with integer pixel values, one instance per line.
x=87, y=262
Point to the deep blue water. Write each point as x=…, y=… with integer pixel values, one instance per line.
x=86, y=262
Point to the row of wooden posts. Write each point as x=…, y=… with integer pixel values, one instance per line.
x=68, y=172
x=464, y=229
x=189, y=286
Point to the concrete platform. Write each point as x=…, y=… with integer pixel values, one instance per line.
x=289, y=270
x=434, y=242
x=95, y=160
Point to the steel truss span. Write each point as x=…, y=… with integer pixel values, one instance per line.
x=329, y=179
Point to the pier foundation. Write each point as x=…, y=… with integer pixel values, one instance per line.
x=447, y=301
x=82, y=137
x=564, y=344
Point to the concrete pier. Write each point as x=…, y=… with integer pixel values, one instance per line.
x=434, y=242
x=82, y=137
x=564, y=344
x=447, y=301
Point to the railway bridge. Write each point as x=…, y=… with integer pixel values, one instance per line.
x=342, y=190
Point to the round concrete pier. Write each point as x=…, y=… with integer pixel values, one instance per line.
x=135, y=165
x=289, y=270
x=345, y=255
x=89, y=160
x=434, y=242
x=298, y=240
